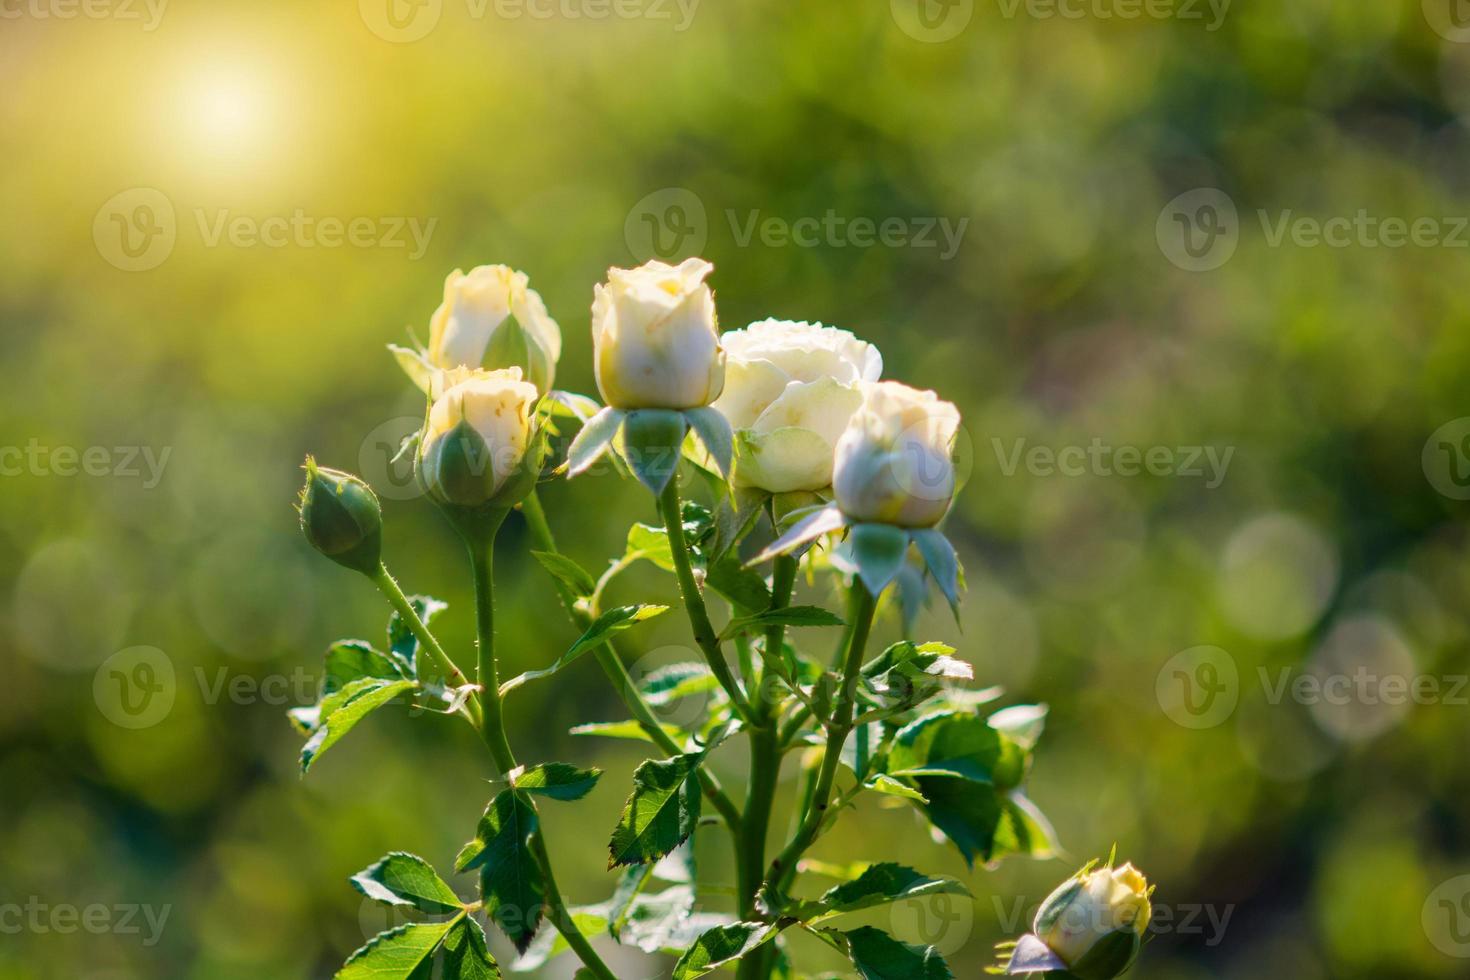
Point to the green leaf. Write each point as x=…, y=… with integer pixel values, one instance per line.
x=566, y=571
x=347, y=660
x=880, y=884
x=343, y=709
x=631, y=730
x=1022, y=723
x=659, y=814
x=785, y=616
x=406, y=880
x=957, y=743
x=557, y=780
x=608, y=624
x=666, y=921
x=630, y=885
x=879, y=551
x=878, y=956
x=466, y=956
x=652, y=543
x=741, y=585
x=593, y=440
x=510, y=881
x=984, y=822
x=805, y=531
x=401, y=641
x=892, y=787
x=398, y=954
x=721, y=945
x=674, y=681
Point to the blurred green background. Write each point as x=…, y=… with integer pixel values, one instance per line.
x=1071, y=311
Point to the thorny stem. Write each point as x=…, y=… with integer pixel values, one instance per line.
x=451, y=673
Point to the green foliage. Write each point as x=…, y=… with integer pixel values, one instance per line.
x=510, y=880
x=880, y=884
x=405, y=953
x=341, y=710
x=660, y=813
x=407, y=881
x=878, y=956
x=556, y=780
x=606, y=626
x=720, y=946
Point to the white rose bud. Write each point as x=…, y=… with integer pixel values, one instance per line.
x=790, y=390
x=479, y=428
x=654, y=337
x=1094, y=922
x=492, y=318
x=893, y=463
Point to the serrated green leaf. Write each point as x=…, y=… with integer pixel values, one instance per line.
x=630, y=885
x=741, y=585
x=892, y=787
x=401, y=641
x=721, y=945
x=608, y=624
x=466, y=955
x=549, y=943
x=566, y=571
x=557, y=780
x=631, y=730
x=957, y=743
x=398, y=954
x=649, y=543
x=674, y=681
x=348, y=660
x=510, y=881
x=665, y=922
x=659, y=814
x=878, y=956
x=406, y=880
x=342, y=710
x=880, y=884
x=784, y=616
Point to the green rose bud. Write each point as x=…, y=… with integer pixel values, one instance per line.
x=341, y=518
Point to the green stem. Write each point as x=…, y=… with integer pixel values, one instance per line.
x=482, y=549
x=860, y=617
x=446, y=667
x=612, y=664
x=704, y=633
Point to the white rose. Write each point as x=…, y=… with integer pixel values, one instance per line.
x=654, y=338
x=893, y=463
x=492, y=318
x=790, y=389
x=479, y=428
x=1085, y=909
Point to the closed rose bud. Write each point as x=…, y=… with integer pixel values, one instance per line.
x=893, y=462
x=480, y=427
x=341, y=518
x=1095, y=922
x=654, y=337
x=492, y=318
x=790, y=390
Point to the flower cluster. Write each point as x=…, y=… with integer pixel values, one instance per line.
x=796, y=439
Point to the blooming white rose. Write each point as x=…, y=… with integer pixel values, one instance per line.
x=1091, y=906
x=790, y=389
x=893, y=463
x=654, y=338
x=492, y=318
x=480, y=426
